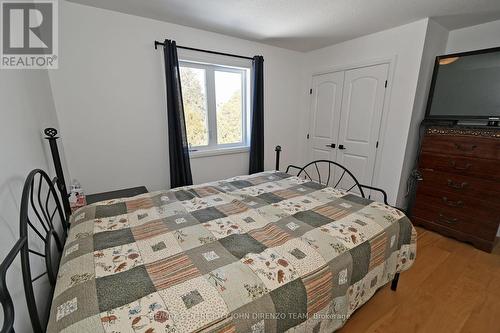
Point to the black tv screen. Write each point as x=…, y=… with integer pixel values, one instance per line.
x=466, y=86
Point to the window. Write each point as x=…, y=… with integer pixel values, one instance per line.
x=215, y=106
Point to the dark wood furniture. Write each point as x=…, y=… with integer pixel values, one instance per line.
x=459, y=194
x=125, y=193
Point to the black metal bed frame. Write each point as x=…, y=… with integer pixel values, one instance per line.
x=338, y=181
x=302, y=171
x=44, y=213
x=37, y=216
x=40, y=206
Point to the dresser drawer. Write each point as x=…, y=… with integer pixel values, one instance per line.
x=455, y=220
x=484, y=213
x=466, y=166
x=488, y=148
x=480, y=243
x=481, y=189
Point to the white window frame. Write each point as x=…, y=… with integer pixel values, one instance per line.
x=214, y=148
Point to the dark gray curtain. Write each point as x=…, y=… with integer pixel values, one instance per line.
x=180, y=168
x=257, y=123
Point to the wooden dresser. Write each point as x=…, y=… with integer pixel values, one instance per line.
x=459, y=195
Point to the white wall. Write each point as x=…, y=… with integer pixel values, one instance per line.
x=26, y=108
x=404, y=46
x=435, y=44
x=477, y=37
x=110, y=99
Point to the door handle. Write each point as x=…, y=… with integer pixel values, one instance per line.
x=450, y=203
x=465, y=148
x=458, y=186
x=461, y=168
x=331, y=145
x=449, y=220
x=342, y=147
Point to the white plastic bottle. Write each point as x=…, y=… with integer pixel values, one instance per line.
x=76, y=195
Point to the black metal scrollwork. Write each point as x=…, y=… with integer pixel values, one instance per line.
x=42, y=216
x=337, y=177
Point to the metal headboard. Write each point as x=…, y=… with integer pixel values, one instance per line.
x=43, y=222
x=339, y=175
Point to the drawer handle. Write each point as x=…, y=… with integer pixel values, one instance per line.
x=458, y=186
x=449, y=220
x=450, y=203
x=456, y=167
x=465, y=148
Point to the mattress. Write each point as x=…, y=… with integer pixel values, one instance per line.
x=267, y=252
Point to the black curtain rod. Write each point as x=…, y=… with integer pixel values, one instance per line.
x=206, y=51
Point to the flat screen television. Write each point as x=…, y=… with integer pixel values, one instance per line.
x=466, y=86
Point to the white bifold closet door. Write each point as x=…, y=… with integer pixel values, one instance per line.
x=325, y=120
x=346, y=114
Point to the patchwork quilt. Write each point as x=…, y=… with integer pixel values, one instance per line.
x=262, y=253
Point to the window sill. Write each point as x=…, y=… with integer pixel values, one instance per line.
x=218, y=151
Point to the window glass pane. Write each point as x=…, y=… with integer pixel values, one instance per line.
x=229, y=107
x=194, y=95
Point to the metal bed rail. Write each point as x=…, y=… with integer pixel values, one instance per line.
x=42, y=217
x=337, y=182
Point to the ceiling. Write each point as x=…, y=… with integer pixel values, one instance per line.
x=304, y=25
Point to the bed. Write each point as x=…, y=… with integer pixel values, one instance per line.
x=269, y=252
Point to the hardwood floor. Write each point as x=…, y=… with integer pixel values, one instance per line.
x=452, y=287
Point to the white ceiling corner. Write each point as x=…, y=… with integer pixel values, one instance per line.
x=304, y=25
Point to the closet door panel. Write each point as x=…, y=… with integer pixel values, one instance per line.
x=325, y=114
x=360, y=118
